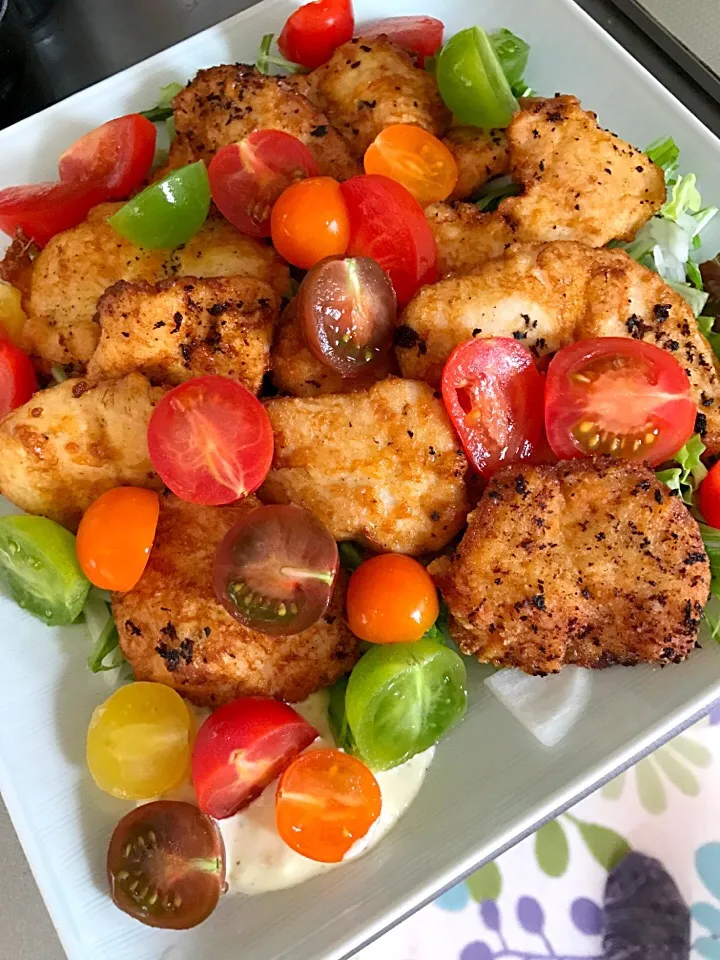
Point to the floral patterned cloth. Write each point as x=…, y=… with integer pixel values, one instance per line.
x=542, y=900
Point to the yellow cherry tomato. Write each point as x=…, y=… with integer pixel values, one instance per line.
x=138, y=743
x=12, y=315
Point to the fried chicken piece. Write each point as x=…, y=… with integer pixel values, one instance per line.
x=173, y=630
x=74, y=441
x=297, y=371
x=586, y=562
x=224, y=104
x=190, y=327
x=479, y=156
x=549, y=295
x=465, y=237
x=369, y=84
x=77, y=266
x=382, y=466
x=16, y=265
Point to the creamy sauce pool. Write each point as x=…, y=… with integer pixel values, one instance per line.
x=258, y=860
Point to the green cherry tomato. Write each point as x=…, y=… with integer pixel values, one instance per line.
x=39, y=566
x=402, y=698
x=167, y=213
x=512, y=52
x=472, y=82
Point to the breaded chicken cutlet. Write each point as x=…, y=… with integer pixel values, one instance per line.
x=74, y=441
x=225, y=104
x=549, y=295
x=586, y=562
x=174, y=631
x=184, y=328
x=382, y=466
x=78, y=265
x=479, y=157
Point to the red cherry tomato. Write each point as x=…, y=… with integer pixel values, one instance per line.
x=275, y=570
x=618, y=396
x=17, y=377
x=247, y=178
x=494, y=396
x=116, y=155
x=241, y=748
x=210, y=440
x=43, y=209
x=315, y=30
x=710, y=497
x=387, y=224
x=420, y=35
x=166, y=865
x=326, y=800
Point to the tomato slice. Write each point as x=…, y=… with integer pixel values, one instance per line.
x=246, y=178
x=420, y=35
x=416, y=159
x=494, y=396
x=710, y=497
x=166, y=865
x=326, y=801
x=275, y=570
x=210, y=440
x=315, y=30
x=241, y=748
x=117, y=155
x=17, y=377
x=347, y=308
x=618, y=396
x=388, y=225
x=391, y=599
x=43, y=209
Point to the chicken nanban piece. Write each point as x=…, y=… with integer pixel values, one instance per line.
x=465, y=237
x=297, y=371
x=184, y=328
x=77, y=266
x=479, y=156
x=549, y=295
x=382, y=466
x=586, y=562
x=187, y=640
x=367, y=85
x=225, y=104
x=72, y=442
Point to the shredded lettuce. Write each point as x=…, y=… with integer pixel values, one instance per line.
x=685, y=478
x=706, y=325
x=696, y=298
x=350, y=556
x=495, y=190
x=106, y=653
x=163, y=108
x=665, y=153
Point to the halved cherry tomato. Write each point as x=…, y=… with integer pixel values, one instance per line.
x=43, y=209
x=387, y=224
x=420, y=35
x=12, y=315
x=310, y=222
x=241, y=748
x=17, y=377
x=710, y=497
x=619, y=396
x=416, y=159
x=246, y=178
x=391, y=599
x=116, y=155
x=115, y=536
x=315, y=30
x=494, y=396
x=347, y=308
x=326, y=801
x=210, y=440
x=275, y=570
x=166, y=865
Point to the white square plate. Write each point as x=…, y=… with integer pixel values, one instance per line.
x=491, y=782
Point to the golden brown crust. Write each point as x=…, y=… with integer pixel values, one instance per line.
x=479, y=156
x=74, y=441
x=173, y=630
x=382, y=466
x=184, y=328
x=224, y=104
x=466, y=238
x=586, y=562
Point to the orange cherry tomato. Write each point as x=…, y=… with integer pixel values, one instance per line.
x=391, y=599
x=115, y=537
x=710, y=497
x=416, y=159
x=310, y=222
x=326, y=800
